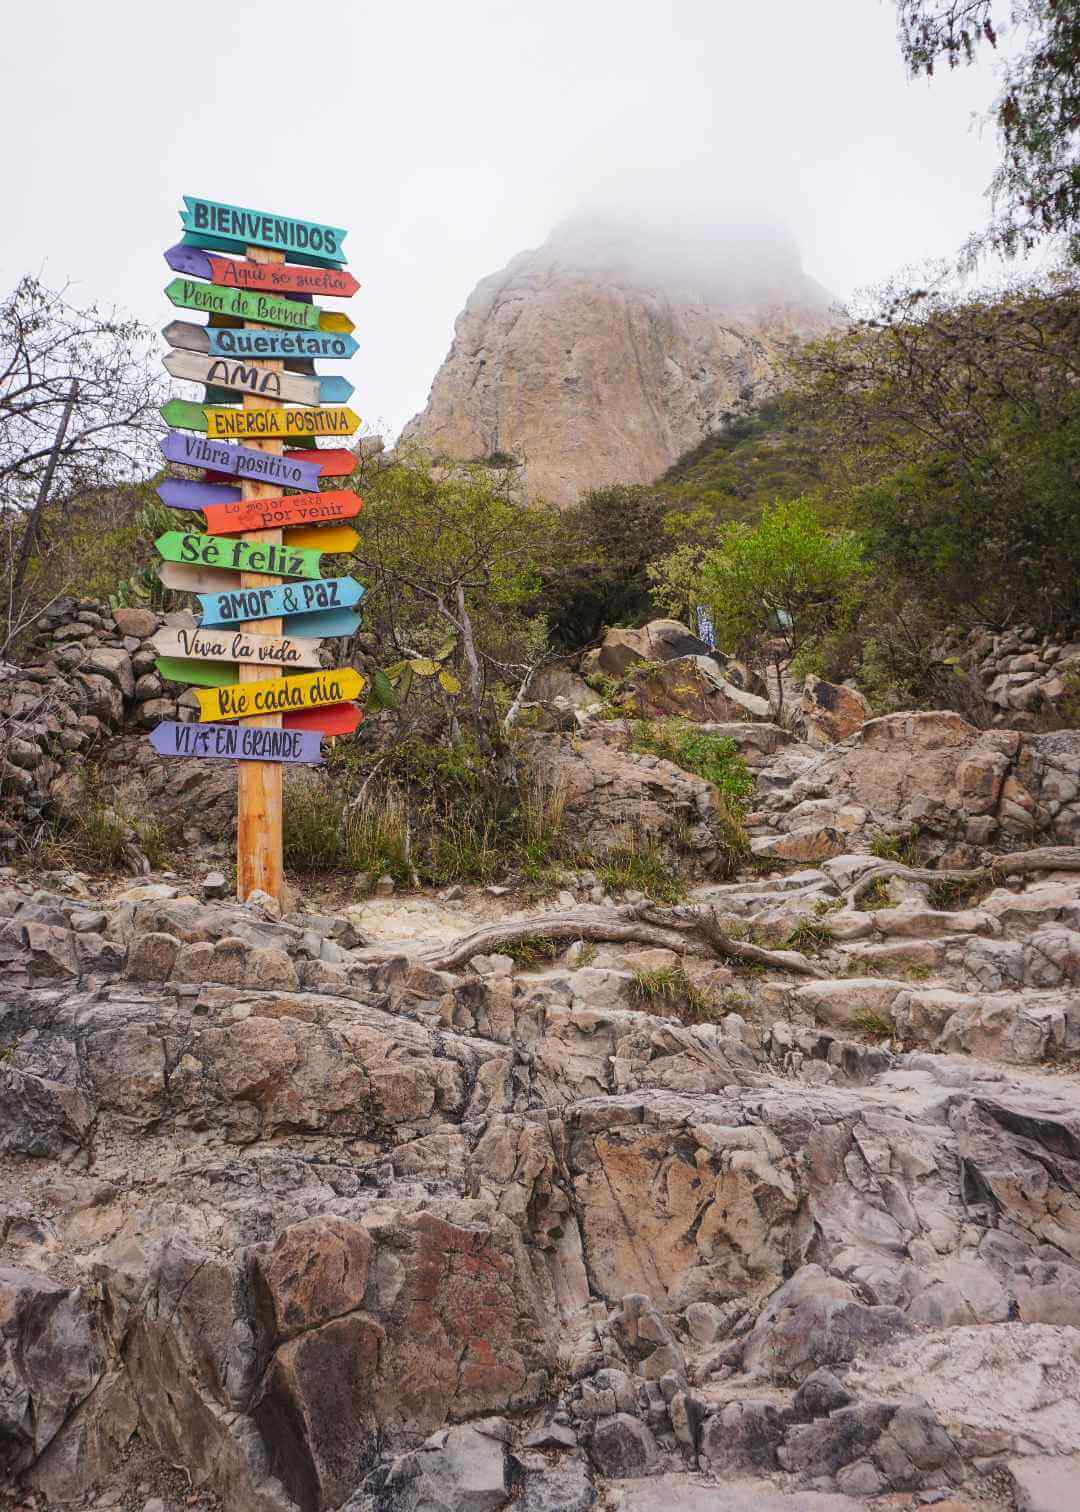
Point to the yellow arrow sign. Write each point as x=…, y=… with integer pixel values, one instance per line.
x=280, y=695
x=229, y=424
x=325, y=538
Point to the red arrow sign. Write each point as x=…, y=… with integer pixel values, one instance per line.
x=291, y=509
x=334, y=461
x=331, y=719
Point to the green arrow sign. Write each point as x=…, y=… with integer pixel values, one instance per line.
x=238, y=556
x=271, y=309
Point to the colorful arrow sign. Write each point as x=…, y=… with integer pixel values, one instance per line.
x=289, y=471
x=269, y=278
x=332, y=719
x=283, y=651
x=271, y=309
x=326, y=623
x=182, y=578
x=202, y=674
x=331, y=540
x=238, y=556
x=333, y=462
x=263, y=424
x=237, y=605
x=224, y=341
x=255, y=228
x=307, y=690
x=228, y=742
x=225, y=518
x=251, y=378
x=180, y=493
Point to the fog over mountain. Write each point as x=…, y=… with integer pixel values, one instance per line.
x=629, y=335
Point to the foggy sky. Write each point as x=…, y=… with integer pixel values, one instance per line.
x=448, y=135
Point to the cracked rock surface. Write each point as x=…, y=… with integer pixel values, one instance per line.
x=285, y=1207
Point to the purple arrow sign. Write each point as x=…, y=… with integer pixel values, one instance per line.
x=178, y=493
x=240, y=461
x=232, y=743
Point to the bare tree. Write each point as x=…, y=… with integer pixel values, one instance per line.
x=78, y=415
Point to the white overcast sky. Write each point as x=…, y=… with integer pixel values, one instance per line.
x=447, y=135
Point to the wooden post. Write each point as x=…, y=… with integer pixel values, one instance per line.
x=259, y=783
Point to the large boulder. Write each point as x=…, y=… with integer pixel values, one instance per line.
x=658, y=641
x=832, y=711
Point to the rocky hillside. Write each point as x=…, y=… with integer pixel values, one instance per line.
x=765, y=1202
x=607, y=353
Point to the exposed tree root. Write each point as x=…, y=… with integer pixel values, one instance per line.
x=679, y=929
x=1047, y=858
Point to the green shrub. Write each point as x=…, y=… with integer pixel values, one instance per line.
x=810, y=936
x=640, y=867
x=714, y=757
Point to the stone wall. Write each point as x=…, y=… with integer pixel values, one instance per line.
x=87, y=674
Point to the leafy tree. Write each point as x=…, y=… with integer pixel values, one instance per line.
x=951, y=426
x=78, y=402
x=596, y=566
x=781, y=582
x=450, y=562
x=1036, y=189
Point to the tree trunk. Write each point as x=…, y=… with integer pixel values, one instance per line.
x=679, y=929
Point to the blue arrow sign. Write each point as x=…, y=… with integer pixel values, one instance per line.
x=230, y=742
x=235, y=226
x=178, y=493
x=237, y=605
x=223, y=342
x=241, y=461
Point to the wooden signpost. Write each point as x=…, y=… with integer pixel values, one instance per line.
x=224, y=341
x=307, y=690
x=269, y=278
x=237, y=656
x=250, y=378
x=229, y=742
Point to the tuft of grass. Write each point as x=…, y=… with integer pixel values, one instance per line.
x=914, y=971
x=901, y=848
x=375, y=833
x=825, y=906
x=877, y=897
x=531, y=951
x=669, y=987
x=312, y=825
x=872, y=1024
x=810, y=936
x=632, y=866
x=951, y=893
x=104, y=828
